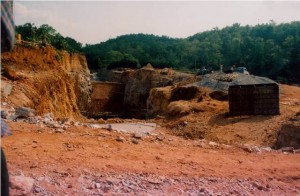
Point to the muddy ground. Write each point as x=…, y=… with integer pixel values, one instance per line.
x=86, y=161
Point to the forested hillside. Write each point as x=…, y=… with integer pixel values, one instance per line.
x=267, y=49
x=271, y=50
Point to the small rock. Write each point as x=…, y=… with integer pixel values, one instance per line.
x=287, y=149
x=56, y=125
x=59, y=131
x=111, y=180
x=76, y=124
x=135, y=141
x=248, y=148
x=225, y=146
x=86, y=171
x=48, y=115
x=21, y=185
x=34, y=146
x=47, y=120
x=4, y=114
x=97, y=185
x=32, y=120
x=91, y=186
x=6, y=88
x=138, y=135
x=34, y=165
x=259, y=187
x=65, y=120
x=185, y=123
x=120, y=139
x=266, y=149
x=201, y=144
x=67, y=123
x=160, y=137
x=297, y=151
x=37, y=189
x=255, y=149
x=213, y=144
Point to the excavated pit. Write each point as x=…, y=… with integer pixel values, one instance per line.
x=58, y=82
x=106, y=100
x=126, y=92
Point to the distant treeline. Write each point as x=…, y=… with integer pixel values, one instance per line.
x=271, y=50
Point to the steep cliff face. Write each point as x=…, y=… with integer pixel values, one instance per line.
x=47, y=80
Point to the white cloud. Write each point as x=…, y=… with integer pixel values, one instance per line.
x=24, y=14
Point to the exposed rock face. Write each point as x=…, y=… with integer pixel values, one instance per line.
x=142, y=81
x=47, y=80
x=159, y=101
x=120, y=76
x=289, y=135
x=106, y=98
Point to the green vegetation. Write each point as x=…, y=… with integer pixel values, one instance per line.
x=271, y=50
x=266, y=49
x=47, y=34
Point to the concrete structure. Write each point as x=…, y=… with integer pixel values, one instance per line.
x=253, y=95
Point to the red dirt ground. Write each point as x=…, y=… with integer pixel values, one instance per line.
x=80, y=160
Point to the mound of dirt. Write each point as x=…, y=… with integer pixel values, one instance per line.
x=213, y=122
x=47, y=80
x=176, y=101
x=181, y=108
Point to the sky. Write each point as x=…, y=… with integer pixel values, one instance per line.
x=93, y=22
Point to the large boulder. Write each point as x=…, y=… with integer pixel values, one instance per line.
x=143, y=80
x=25, y=112
x=158, y=100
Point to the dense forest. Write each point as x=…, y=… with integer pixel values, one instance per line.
x=271, y=50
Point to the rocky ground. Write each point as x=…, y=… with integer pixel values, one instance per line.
x=82, y=160
x=60, y=156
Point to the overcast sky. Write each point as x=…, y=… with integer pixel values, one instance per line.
x=97, y=21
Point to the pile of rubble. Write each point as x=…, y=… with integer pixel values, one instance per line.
x=90, y=183
x=26, y=114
